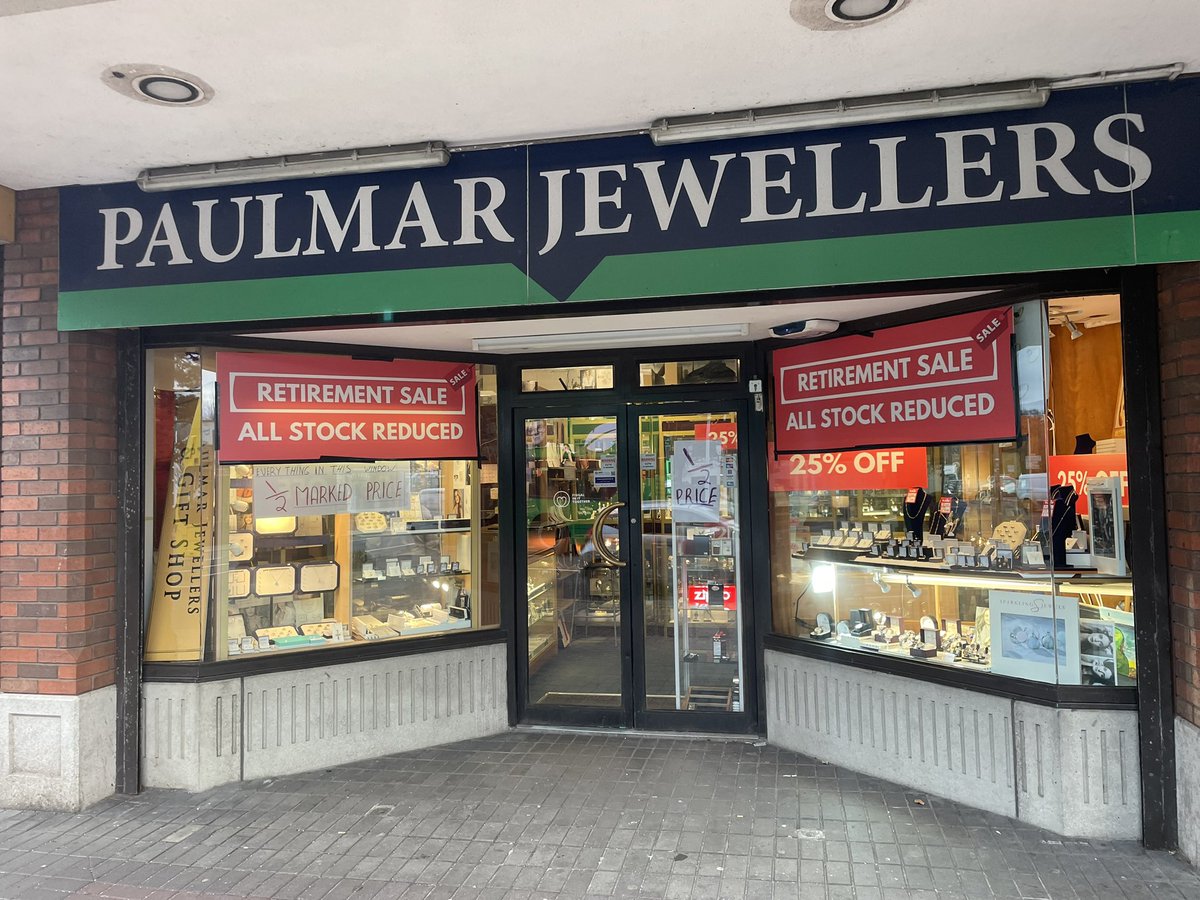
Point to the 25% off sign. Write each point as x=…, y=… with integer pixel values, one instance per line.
x=880, y=469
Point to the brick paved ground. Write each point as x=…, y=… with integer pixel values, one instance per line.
x=533, y=815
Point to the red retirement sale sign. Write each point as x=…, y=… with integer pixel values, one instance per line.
x=296, y=408
x=891, y=468
x=948, y=381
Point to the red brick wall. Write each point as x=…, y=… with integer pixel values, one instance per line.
x=1179, y=327
x=57, y=476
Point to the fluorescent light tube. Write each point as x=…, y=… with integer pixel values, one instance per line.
x=306, y=165
x=634, y=337
x=854, y=111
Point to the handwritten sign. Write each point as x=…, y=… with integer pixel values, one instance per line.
x=695, y=481
x=328, y=488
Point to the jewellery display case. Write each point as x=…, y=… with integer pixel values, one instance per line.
x=306, y=581
x=1066, y=628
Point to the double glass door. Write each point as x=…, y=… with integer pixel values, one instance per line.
x=633, y=589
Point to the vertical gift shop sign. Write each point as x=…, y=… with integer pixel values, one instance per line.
x=949, y=381
x=179, y=593
x=299, y=408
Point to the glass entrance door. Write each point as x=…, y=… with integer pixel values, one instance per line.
x=691, y=585
x=632, y=588
x=573, y=571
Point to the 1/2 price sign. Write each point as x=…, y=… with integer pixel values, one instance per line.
x=1075, y=470
x=893, y=468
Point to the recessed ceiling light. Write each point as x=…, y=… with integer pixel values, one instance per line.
x=166, y=89
x=159, y=85
x=839, y=15
x=860, y=10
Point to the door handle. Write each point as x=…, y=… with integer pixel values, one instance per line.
x=598, y=524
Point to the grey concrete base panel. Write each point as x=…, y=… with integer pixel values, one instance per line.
x=58, y=752
x=1078, y=771
x=953, y=743
x=197, y=736
x=191, y=734
x=1187, y=780
x=1075, y=772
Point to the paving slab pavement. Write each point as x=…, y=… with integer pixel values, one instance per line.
x=528, y=815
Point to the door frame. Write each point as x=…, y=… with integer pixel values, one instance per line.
x=626, y=392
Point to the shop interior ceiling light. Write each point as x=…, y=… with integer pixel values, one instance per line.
x=306, y=165
x=634, y=337
x=853, y=111
x=1076, y=334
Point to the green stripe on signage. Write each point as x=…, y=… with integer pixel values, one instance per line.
x=1025, y=247
x=1028, y=247
x=356, y=293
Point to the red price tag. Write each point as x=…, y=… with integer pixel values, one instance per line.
x=946, y=506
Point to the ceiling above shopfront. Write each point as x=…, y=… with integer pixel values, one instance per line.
x=664, y=328
x=293, y=77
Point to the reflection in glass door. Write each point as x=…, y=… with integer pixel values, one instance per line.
x=691, y=582
x=572, y=585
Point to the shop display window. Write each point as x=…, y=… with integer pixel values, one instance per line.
x=236, y=575
x=1005, y=557
x=567, y=378
x=695, y=371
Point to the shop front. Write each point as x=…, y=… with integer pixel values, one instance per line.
x=820, y=436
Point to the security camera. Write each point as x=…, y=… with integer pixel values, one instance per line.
x=806, y=328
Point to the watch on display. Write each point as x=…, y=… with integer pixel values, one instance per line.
x=824, y=629
x=861, y=622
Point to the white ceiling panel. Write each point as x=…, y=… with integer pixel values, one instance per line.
x=307, y=75
x=459, y=335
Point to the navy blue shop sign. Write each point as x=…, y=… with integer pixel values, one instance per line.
x=556, y=211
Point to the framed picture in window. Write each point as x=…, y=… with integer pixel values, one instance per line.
x=1106, y=526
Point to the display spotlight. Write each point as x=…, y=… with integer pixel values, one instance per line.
x=822, y=579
